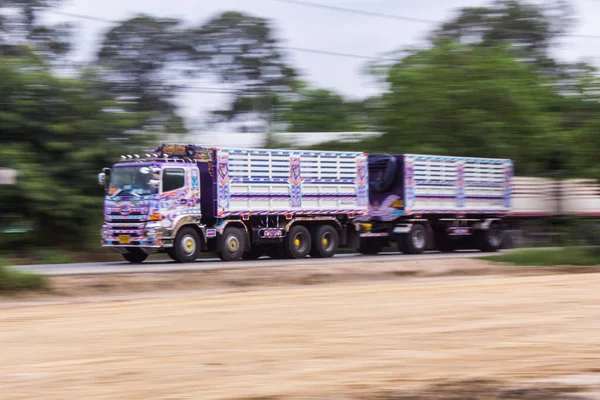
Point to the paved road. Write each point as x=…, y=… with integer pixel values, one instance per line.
x=214, y=263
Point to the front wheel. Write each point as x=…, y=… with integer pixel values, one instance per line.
x=415, y=242
x=135, y=256
x=187, y=246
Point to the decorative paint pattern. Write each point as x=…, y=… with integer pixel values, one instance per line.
x=362, y=181
x=295, y=182
x=461, y=199
x=223, y=182
x=409, y=184
x=508, y=175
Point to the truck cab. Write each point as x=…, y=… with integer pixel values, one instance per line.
x=145, y=204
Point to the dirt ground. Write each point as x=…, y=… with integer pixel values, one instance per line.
x=434, y=333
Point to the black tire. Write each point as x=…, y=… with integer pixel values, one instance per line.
x=233, y=244
x=135, y=256
x=369, y=246
x=415, y=242
x=325, y=242
x=490, y=240
x=254, y=254
x=186, y=246
x=297, y=243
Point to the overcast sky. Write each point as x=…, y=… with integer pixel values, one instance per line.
x=304, y=27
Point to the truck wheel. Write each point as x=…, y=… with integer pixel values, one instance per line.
x=325, y=242
x=490, y=240
x=233, y=244
x=415, y=242
x=135, y=256
x=186, y=246
x=297, y=242
x=369, y=246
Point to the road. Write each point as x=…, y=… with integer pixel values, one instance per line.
x=210, y=264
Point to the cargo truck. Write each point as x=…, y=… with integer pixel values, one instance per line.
x=425, y=202
x=239, y=203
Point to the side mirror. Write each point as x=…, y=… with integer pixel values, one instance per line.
x=154, y=183
x=101, y=178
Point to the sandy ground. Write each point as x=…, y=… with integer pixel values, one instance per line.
x=474, y=337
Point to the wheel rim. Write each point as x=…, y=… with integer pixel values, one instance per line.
x=494, y=237
x=418, y=239
x=232, y=243
x=300, y=242
x=188, y=244
x=327, y=241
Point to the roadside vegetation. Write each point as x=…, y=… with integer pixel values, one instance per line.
x=580, y=256
x=12, y=281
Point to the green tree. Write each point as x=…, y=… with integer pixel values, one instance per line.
x=321, y=110
x=22, y=31
x=463, y=100
x=58, y=134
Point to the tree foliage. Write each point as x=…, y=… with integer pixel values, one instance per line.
x=57, y=134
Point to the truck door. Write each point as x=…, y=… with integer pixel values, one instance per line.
x=180, y=189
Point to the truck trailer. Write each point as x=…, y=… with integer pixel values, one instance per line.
x=239, y=203
x=425, y=202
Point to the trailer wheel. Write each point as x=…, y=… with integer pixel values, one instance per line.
x=297, y=243
x=186, y=246
x=233, y=244
x=369, y=246
x=415, y=242
x=490, y=240
x=325, y=242
x=135, y=255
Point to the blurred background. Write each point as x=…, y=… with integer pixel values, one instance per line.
x=82, y=82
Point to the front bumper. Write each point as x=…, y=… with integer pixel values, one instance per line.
x=140, y=234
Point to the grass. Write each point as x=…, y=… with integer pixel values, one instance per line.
x=580, y=256
x=12, y=281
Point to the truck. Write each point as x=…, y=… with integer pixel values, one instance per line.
x=426, y=202
x=238, y=203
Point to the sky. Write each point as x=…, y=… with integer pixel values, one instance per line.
x=304, y=27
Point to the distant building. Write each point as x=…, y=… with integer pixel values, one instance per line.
x=8, y=176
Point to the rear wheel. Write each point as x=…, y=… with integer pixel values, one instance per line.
x=369, y=246
x=297, y=243
x=489, y=240
x=233, y=244
x=325, y=242
x=415, y=242
x=186, y=247
x=135, y=256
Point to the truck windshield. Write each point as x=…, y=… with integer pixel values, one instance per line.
x=131, y=181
